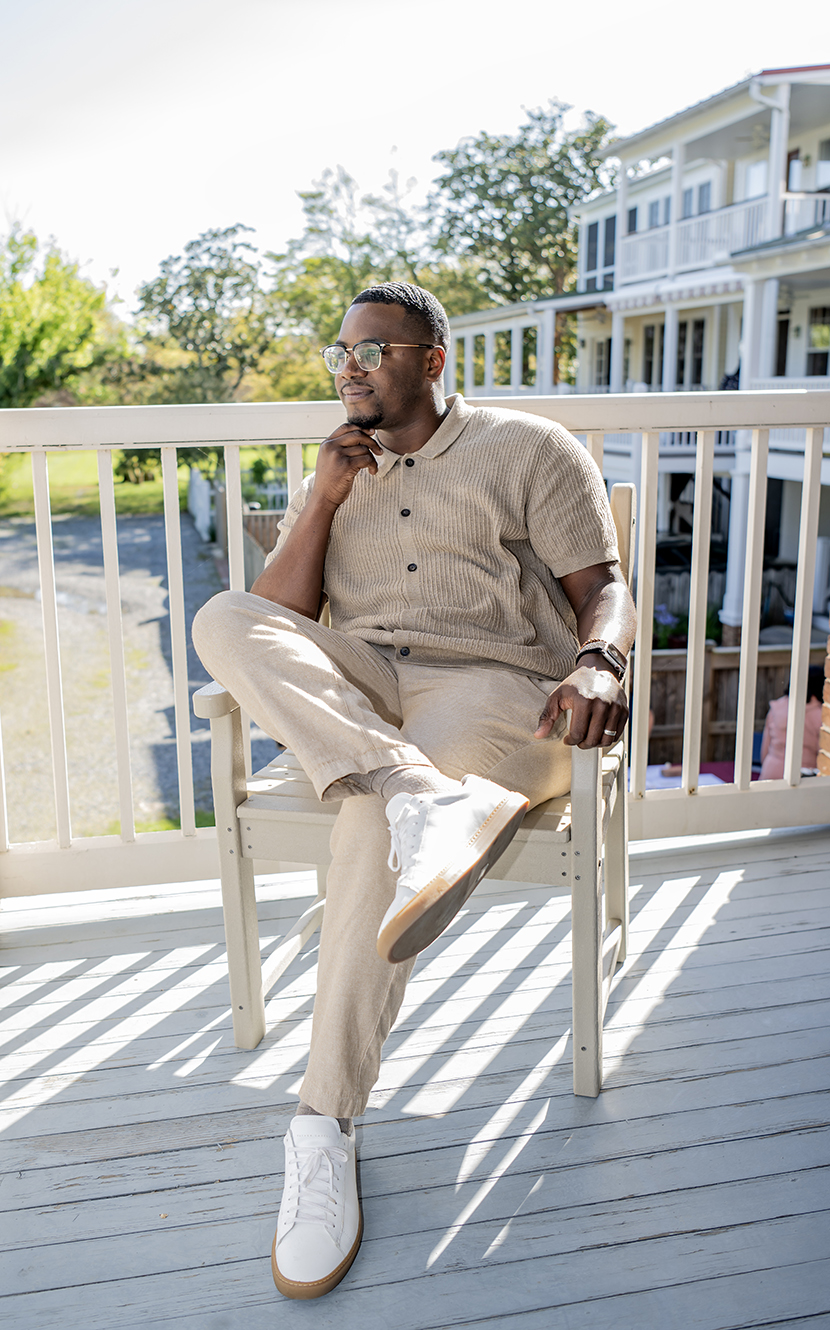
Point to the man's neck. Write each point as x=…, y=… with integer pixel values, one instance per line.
x=412, y=436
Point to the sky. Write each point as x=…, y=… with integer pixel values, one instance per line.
x=128, y=127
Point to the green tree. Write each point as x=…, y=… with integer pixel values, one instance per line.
x=58, y=336
x=206, y=321
x=503, y=201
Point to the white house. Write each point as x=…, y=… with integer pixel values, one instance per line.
x=708, y=266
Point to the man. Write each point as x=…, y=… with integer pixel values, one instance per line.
x=469, y=562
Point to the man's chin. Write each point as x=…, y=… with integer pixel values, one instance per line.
x=369, y=418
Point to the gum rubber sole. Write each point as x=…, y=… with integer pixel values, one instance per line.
x=427, y=915
x=291, y=1288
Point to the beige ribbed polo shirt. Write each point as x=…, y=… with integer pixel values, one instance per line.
x=452, y=555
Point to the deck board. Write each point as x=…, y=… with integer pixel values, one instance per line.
x=141, y=1150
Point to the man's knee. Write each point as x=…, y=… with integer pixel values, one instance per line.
x=214, y=621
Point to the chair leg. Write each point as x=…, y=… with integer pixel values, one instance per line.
x=586, y=917
x=237, y=876
x=616, y=860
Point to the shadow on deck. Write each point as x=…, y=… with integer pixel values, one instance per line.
x=142, y=1151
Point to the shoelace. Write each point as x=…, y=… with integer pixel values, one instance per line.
x=406, y=820
x=316, y=1184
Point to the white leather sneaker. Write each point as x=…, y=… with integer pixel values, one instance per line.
x=320, y=1224
x=443, y=844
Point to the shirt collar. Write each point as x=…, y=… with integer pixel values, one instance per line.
x=443, y=438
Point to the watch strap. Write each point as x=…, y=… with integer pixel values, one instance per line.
x=609, y=652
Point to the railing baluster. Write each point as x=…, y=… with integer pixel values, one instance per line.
x=115, y=630
x=595, y=444
x=178, y=637
x=751, y=616
x=293, y=465
x=803, y=618
x=4, y=812
x=647, y=540
x=698, y=596
x=236, y=556
x=51, y=643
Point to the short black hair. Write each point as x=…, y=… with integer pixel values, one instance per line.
x=420, y=305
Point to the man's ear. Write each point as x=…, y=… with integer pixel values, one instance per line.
x=436, y=361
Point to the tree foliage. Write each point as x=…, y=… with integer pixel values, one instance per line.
x=57, y=333
x=207, y=321
x=504, y=201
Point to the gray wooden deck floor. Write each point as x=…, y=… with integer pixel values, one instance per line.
x=141, y=1152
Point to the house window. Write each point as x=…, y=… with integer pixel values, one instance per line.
x=823, y=165
x=610, y=238
x=698, y=328
x=654, y=213
x=818, y=344
x=680, y=367
x=593, y=245
x=667, y=210
x=648, y=354
x=704, y=197
x=602, y=362
x=632, y=221
x=688, y=202
x=756, y=179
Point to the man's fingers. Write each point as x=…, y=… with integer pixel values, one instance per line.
x=548, y=718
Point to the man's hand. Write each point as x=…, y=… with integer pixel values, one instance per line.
x=598, y=707
x=345, y=452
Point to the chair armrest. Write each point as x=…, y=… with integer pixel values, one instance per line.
x=212, y=701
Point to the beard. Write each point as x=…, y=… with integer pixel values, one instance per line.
x=367, y=420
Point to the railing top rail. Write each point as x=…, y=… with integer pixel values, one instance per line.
x=79, y=428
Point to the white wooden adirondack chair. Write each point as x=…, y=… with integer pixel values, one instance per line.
x=576, y=844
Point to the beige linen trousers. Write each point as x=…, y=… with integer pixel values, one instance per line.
x=345, y=706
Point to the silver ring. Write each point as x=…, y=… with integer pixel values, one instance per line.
x=609, y=731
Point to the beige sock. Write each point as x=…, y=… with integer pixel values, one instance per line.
x=305, y=1110
x=388, y=781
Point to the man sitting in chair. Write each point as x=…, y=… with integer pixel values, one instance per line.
x=469, y=561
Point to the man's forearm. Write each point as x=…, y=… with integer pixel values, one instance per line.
x=608, y=615
x=295, y=577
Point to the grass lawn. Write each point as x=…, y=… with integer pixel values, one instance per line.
x=73, y=484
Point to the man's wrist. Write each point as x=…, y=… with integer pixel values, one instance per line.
x=606, y=655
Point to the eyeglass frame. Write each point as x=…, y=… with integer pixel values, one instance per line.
x=369, y=341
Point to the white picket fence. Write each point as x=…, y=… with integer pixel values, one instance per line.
x=73, y=863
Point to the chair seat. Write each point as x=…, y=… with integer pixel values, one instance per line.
x=281, y=798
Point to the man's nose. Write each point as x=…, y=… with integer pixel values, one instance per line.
x=351, y=367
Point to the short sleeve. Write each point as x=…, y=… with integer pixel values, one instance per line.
x=568, y=515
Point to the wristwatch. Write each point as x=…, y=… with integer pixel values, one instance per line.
x=609, y=652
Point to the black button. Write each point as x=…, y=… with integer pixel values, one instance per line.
x=404, y=651
x=412, y=567
x=405, y=512
x=410, y=461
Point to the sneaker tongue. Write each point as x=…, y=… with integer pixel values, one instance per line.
x=396, y=803
x=312, y=1129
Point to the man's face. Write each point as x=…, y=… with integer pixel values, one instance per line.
x=390, y=396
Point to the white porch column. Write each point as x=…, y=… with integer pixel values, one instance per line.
x=670, y=349
x=489, y=362
x=622, y=221
x=678, y=158
x=469, y=366
x=516, y=338
x=731, y=613
x=545, y=339
x=749, y=332
x=617, y=351
x=768, y=328
x=450, y=385
x=777, y=161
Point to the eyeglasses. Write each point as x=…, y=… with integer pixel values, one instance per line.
x=367, y=354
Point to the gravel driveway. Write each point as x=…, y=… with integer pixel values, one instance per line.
x=86, y=674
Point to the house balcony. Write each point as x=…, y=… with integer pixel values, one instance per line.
x=702, y=242
x=142, y=1148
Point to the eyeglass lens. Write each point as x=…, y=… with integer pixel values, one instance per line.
x=367, y=356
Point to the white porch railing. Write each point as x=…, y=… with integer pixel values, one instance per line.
x=803, y=211
x=701, y=241
x=70, y=863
